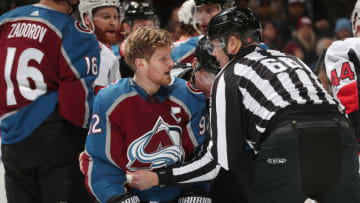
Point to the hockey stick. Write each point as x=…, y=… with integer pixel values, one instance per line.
x=320, y=62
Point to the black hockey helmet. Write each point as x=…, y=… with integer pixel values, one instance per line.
x=182, y=70
x=139, y=10
x=204, y=59
x=235, y=20
x=203, y=2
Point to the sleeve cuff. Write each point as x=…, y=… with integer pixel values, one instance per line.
x=165, y=176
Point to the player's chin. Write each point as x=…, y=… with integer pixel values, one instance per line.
x=111, y=38
x=166, y=80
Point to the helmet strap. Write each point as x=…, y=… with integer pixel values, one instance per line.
x=93, y=25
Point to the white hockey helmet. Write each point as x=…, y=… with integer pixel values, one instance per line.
x=87, y=7
x=355, y=18
x=185, y=12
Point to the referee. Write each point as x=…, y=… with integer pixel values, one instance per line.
x=272, y=122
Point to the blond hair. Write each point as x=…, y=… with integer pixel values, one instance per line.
x=143, y=42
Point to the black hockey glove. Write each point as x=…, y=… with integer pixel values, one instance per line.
x=124, y=198
x=194, y=196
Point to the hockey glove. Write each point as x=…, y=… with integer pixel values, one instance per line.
x=124, y=198
x=194, y=196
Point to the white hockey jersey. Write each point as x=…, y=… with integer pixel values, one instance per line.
x=342, y=64
x=109, y=67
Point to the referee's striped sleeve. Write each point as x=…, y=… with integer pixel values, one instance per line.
x=202, y=169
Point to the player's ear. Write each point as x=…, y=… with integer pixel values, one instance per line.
x=233, y=44
x=126, y=27
x=73, y=2
x=88, y=21
x=140, y=63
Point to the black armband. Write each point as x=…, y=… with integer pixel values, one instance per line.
x=165, y=176
x=124, y=198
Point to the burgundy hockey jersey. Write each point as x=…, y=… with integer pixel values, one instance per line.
x=131, y=130
x=46, y=58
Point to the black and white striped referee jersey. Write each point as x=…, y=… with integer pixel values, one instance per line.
x=246, y=94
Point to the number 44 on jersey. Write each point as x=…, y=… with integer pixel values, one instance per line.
x=346, y=72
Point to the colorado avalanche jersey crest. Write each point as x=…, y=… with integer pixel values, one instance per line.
x=131, y=130
x=160, y=154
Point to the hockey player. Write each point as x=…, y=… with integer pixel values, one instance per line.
x=202, y=12
x=146, y=122
x=189, y=36
x=103, y=17
x=342, y=63
x=301, y=144
x=48, y=62
x=205, y=68
x=137, y=14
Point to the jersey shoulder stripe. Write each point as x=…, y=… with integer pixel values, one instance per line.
x=183, y=91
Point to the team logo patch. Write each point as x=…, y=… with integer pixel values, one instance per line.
x=157, y=148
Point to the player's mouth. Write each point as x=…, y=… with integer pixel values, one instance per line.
x=111, y=31
x=204, y=27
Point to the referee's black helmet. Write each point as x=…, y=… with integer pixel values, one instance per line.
x=236, y=20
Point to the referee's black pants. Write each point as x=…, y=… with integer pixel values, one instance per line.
x=313, y=158
x=44, y=168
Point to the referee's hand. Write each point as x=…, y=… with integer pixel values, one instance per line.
x=142, y=179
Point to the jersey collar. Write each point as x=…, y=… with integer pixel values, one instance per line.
x=158, y=97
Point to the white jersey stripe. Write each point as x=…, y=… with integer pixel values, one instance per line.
x=89, y=172
x=205, y=177
x=286, y=82
x=309, y=85
x=262, y=85
x=252, y=105
x=221, y=123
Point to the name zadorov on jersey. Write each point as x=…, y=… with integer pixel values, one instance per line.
x=27, y=30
